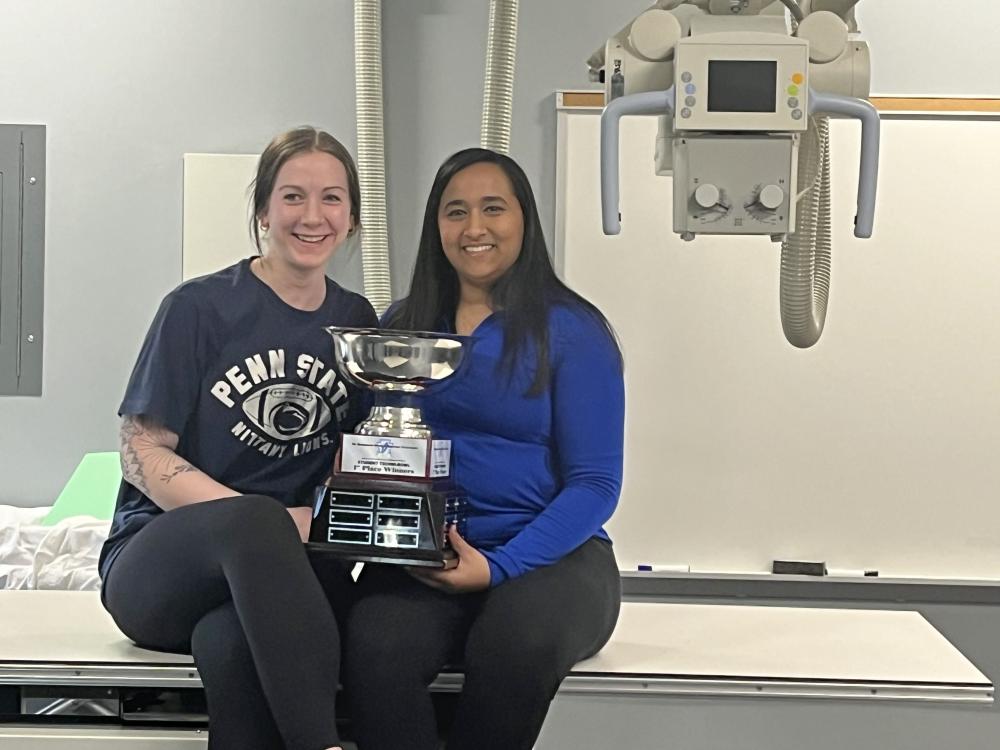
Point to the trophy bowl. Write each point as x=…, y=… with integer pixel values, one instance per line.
x=401, y=362
x=383, y=359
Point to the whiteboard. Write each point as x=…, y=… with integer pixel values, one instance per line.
x=879, y=447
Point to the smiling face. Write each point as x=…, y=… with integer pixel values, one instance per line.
x=308, y=214
x=481, y=225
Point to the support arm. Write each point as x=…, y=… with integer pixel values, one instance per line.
x=820, y=103
x=647, y=103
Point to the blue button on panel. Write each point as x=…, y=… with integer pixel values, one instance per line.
x=689, y=89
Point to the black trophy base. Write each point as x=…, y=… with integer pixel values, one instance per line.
x=380, y=520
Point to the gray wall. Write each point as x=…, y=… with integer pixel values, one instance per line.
x=434, y=78
x=127, y=86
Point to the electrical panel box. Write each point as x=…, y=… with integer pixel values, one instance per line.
x=22, y=254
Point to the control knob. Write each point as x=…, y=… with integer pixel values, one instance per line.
x=706, y=195
x=770, y=197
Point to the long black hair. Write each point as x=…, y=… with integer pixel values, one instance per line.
x=525, y=293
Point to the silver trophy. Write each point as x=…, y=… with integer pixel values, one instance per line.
x=390, y=497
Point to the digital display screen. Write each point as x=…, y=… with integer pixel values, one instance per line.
x=742, y=85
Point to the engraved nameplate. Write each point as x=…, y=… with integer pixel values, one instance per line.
x=394, y=456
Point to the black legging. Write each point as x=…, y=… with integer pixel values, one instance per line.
x=516, y=643
x=229, y=582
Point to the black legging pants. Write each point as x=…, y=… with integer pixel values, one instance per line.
x=516, y=643
x=229, y=582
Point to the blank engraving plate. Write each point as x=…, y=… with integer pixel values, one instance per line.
x=350, y=517
x=397, y=524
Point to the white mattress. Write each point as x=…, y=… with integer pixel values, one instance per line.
x=62, y=556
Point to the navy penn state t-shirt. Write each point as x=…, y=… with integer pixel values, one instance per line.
x=250, y=386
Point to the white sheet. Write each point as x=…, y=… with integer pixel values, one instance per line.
x=63, y=556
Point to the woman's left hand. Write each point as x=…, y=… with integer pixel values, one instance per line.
x=471, y=574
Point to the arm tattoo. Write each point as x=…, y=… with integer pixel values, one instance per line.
x=179, y=469
x=131, y=464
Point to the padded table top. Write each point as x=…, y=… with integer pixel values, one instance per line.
x=699, y=648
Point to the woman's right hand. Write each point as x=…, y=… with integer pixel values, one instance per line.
x=303, y=517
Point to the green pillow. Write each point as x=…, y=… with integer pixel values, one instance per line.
x=91, y=491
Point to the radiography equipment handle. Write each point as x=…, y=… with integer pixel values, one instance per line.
x=821, y=103
x=646, y=103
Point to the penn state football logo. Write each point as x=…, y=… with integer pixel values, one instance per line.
x=287, y=412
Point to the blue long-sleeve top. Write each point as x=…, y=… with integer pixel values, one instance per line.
x=543, y=474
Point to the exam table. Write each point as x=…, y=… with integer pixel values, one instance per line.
x=68, y=678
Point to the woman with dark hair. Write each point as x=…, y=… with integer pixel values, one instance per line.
x=229, y=422
x=536, y=423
